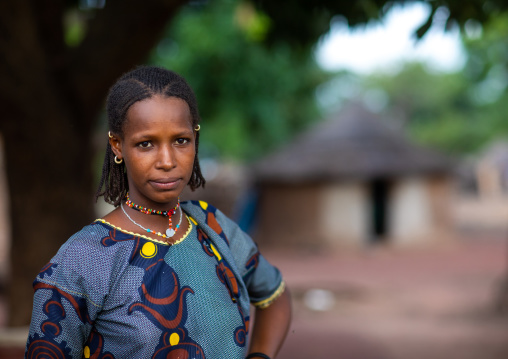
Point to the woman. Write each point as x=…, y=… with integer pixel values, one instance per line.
x=156, y=278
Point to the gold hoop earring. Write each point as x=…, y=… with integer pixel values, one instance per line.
x=118, y=160
x=110, y=135
x=197, y=128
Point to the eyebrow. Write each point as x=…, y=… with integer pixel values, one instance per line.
x=147, y=134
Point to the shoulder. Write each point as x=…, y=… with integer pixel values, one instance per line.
x=91, y=240
x=199, y=210
x=85, y=260
x=214, y=222
x=203, y=213
x=84, y=239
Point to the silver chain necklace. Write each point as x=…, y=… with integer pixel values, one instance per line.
x=170, y=232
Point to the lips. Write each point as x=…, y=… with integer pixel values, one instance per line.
x=166, y=183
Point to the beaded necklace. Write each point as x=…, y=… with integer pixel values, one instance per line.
x=145, y=210
x=152, y=231
x=170, y=232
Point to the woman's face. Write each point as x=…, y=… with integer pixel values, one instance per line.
x=158, y=147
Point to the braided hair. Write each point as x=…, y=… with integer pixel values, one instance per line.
x=137, y=85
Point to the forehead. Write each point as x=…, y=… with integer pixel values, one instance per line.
x=159, y=110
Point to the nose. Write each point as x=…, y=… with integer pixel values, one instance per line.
x=165, y=158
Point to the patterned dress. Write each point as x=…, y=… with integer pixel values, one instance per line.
x=109, y=293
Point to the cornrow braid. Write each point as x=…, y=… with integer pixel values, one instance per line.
x=139, y=84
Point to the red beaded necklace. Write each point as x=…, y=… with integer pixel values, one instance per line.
x=170, y=231
x=145, y=210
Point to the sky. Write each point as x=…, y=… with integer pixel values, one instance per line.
x=384, y=45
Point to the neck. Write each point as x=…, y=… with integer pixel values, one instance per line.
x=166, y=210
x=165, y=226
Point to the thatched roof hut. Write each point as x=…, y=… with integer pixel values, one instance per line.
x=355, y=144
x=357, y=178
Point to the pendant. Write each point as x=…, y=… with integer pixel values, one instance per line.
x=170, y=232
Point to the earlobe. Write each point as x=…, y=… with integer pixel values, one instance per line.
x=116, y=144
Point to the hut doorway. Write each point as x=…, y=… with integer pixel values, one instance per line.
x=379, y=197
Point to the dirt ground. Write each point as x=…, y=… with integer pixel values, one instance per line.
x=390, y=304
x=427, y=303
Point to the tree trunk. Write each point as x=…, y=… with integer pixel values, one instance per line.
x=50, y=182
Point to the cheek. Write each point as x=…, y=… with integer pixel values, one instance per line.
x=189, y=159
x=136, y=166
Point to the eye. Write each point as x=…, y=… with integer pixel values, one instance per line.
x=144, y=144
x=182, y=141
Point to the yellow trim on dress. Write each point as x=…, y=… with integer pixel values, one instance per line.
x=216, y=252
x=265, y=303
x=146, y=237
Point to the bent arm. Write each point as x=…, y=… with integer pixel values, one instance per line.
x=271, y=325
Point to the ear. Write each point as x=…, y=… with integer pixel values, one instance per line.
x=116, y=144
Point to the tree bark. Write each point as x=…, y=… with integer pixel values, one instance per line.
x=50, y=96
x=49, y=178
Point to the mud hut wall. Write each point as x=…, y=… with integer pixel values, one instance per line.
x=345, y=213
x=489, y=179
x=440, y=190
x=288, y=215
x=411, y=209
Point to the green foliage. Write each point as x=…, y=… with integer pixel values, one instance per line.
x=74, y=27
x=488, y=58
x=301, y=23
x=440, y=110
x=251, y=98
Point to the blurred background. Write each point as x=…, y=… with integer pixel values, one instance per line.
x=363, y=145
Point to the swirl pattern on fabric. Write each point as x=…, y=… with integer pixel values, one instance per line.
x=162, y=298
